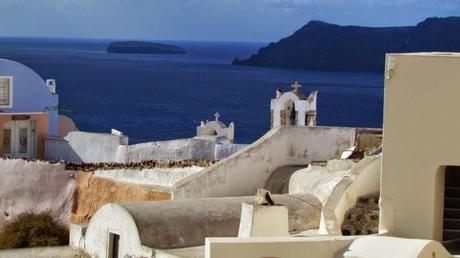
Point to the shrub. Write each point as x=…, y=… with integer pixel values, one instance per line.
x=33, y=230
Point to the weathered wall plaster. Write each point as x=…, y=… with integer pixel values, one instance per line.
x=150, y=223
x=363, y=179
x=35, y=187
x=320, y=180
x=98, y=147
x=159, y=177
x=246, y=171
x=93, y=192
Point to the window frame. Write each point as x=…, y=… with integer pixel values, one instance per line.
x=10, y=105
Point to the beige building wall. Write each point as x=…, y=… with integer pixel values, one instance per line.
x=41, y=130
x=421, y=136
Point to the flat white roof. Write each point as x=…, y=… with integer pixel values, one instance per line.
x=434, y=54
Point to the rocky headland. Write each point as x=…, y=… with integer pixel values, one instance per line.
x=323, y=46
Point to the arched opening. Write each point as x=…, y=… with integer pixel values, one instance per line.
x=214, y=133
x=290, y=114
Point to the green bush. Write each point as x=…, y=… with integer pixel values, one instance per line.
x=33, y=230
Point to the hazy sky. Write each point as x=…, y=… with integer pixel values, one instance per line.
x=224, y=20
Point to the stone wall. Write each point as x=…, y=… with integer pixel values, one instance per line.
x=93, y=192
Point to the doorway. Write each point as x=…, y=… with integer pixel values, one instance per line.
x=290, y=114
x=451, y=218
x=114, y=245
x=19, y=139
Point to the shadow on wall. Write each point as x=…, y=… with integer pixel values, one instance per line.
x=282, y=146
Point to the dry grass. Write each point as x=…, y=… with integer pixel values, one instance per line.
x=33, y=230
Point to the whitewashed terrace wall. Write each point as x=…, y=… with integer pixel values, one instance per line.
x=183, y=149
x=35, y=187
x=223, y=151
x=286, y=247
x=245, y=171
x=324, y=247
x=87, y=147
x=163, y=177
x=365, y=180
x=97, y=147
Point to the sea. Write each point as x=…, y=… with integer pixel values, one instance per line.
x=155, y=97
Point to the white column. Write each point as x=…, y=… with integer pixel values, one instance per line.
x=276, y=118
x=301, y=115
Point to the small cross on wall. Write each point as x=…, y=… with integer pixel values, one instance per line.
x=217, y=115
x=296, y=86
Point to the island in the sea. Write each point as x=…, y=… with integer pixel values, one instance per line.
x=143, y=47
x=323, y=46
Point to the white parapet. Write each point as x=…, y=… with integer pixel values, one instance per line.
x=324, y=247
x=77, y=236
x=263, y=221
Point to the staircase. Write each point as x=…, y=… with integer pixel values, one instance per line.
x=451, y=213
x=451, y=227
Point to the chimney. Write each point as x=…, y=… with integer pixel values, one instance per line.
x=51, y=84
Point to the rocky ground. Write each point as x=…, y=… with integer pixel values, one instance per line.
x=363, y=218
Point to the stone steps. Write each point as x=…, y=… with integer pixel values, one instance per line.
x=451, y=191
x=451, y=213
x=452, y=202
x=451, y=231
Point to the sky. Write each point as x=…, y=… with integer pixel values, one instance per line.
x=212, y=20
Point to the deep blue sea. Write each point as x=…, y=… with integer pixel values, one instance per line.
x=161, y=97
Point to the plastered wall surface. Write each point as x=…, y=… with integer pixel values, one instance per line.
x=27, y=86
x=156, y=177
x=98, y=147
x=95, y=147
x=35, y=187
x=279, y=147
x=364, y=179
x=185, y=223
x=421, y=134
x=285, y=247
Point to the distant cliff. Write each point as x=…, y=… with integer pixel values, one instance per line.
x=143, y=47
x=323, y=46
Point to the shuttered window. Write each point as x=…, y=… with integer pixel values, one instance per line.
x=5, y=91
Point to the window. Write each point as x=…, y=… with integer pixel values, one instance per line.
x=7, y=141
x=23, y=140
x=5, y=91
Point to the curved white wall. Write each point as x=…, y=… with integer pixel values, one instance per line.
x=247, y=170
x=30, y=93
x=96, y=237
x=363, y=180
